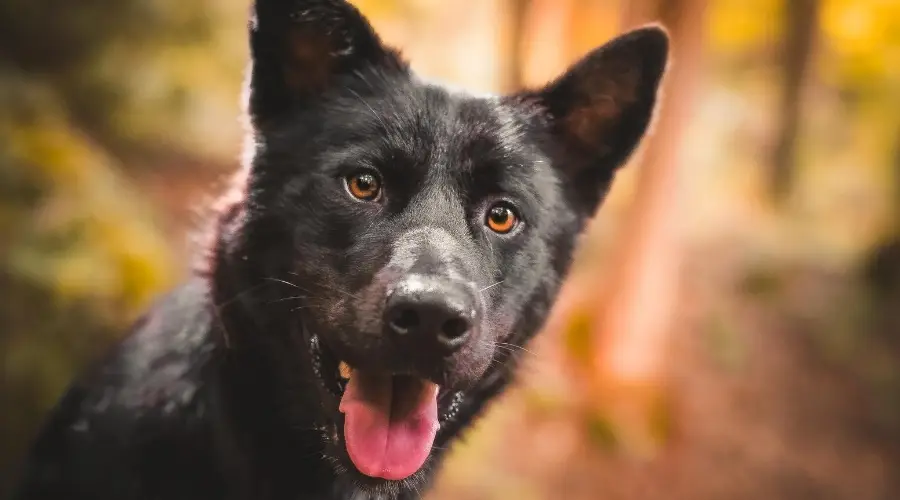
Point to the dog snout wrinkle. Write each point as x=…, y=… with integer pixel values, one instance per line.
x=430, y=250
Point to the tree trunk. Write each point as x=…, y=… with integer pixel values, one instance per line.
x=881, y=271
x=518, y=11
x=545, y=20
x=629, y=330
x=800, y=21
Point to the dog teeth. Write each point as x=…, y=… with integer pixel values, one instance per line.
x=345, y=370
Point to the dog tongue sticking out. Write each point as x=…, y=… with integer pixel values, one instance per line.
x=389, y=423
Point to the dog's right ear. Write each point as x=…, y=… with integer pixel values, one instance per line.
x=301, y=47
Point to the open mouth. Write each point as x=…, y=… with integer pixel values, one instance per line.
x=389, y=420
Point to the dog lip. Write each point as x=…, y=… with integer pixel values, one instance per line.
x=334, y=372
x=328, y=370
x=345, y=370
x=325, y=367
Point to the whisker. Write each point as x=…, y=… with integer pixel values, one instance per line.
x=295, y=297
x=514, y=346
x=329, y=287
x=511, y=350
x=217, y=310
x=277, y=280
x=383, y=124
x=506, y=349
x=226, y=337
x=238, y=295
x=490, y=286
x=495, y=363
x=348, y=294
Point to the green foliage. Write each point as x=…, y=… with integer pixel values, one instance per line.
x=737, y=26
x=642, y=434
x=761, y=282
x=602, y=432
x=661, y=423
x=578, y=336
x=83, y=86
x=864, y=37
x=136, y=75
x=79, y=259
x=724, y=343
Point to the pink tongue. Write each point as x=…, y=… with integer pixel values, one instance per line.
x=389, y=423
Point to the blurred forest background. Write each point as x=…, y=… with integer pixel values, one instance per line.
x=732, y=329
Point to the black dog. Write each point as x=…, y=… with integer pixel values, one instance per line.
x=389, y=234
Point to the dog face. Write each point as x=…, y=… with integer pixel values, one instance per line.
x=420, y=233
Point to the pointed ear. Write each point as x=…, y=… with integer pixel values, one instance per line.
x=299, y=49
x=599, y=109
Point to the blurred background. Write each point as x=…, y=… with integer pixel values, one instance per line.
x=731, y=329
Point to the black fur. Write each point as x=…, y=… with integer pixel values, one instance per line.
x=215, y=394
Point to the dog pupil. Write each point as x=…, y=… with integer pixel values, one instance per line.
x=365, y=183
x=500, y=215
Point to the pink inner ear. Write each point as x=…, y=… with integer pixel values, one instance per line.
x=605, y=94
x=588, y=123
x=309, y=60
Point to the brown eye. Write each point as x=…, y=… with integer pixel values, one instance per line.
x=365, y=186
x=501, y=218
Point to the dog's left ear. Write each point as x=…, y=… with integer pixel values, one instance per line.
x=599, y=109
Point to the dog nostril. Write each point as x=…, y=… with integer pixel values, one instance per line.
x=405, y=320
x=454, y=328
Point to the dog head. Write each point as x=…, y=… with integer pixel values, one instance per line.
x=419, y=233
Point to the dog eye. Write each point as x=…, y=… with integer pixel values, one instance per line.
x=501, y=218
x=365, y=185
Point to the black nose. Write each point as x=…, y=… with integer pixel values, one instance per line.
x=430, y=312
